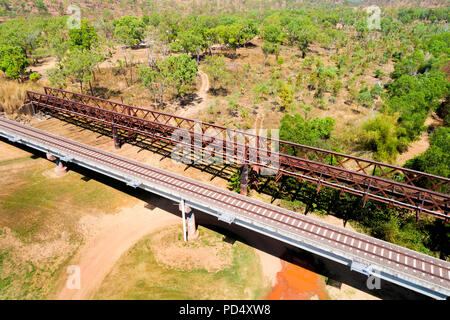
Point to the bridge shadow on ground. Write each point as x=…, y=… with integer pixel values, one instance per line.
x=159, y=147
x=263, y=184
x=336, y=273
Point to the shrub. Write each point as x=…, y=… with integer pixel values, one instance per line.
x=376, y=91
x=380, y=136
x=298, y=130
x=35, y=76
x=365, y=97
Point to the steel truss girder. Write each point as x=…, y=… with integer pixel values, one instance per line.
x=356, y=182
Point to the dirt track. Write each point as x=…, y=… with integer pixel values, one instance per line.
x=113, y=236
x=194, y=112
x=421, y=145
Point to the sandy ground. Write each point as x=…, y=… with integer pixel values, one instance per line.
x=9, y=152
x=271, y=266
x=132, y=55
x=421, y=145
x=42, y=67
x=108, y=238
x=196, y=111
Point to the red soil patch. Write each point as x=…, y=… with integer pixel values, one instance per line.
x=297, y=283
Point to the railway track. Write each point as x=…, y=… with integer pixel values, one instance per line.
x=400, y=262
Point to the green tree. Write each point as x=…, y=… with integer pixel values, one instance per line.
x=181, y=71
x=436, y=160
x=273, y=33
x=57, y=77
x=365, y=97
x=13, y=61
x=193, y=41
x=249, y=30
x=79, y=65
x=232, y=35
x=152, y=80
x=286, y=97
x=216, y=68
x=84, y=37
x=301, y=32
x=269, y=48
x=381, y=136
x=40, y=5
x=129, y=30
x=314, y=132
x=362, y=28
x=409, y=65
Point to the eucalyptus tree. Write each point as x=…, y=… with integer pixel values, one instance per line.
x=301, y=32
x=13, y=61
x=129, y=30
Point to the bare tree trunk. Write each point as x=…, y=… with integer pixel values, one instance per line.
x=90, y=87
x=161, y=94
x=131, y=74
x=154, y=95
x=125, y=56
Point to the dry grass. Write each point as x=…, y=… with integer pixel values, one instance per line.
x=210, y=252
x=12, y=95
x=140, y=275
x=39, y=221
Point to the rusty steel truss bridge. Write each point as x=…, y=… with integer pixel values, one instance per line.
x=401, y=187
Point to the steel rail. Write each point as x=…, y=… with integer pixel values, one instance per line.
x=419, y=199
x=434, y=268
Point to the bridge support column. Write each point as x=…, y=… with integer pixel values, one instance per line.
x=183, y=217
x=254, y=174
x=60, y=168
x=244, y=179
x=191, y=226
x=116, y=138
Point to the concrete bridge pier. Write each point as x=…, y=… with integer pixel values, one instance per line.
x=116, y=138
x=244, y=179
x=60, y=168
x=190, y=231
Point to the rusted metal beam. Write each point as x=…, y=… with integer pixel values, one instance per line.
x=352, y=163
